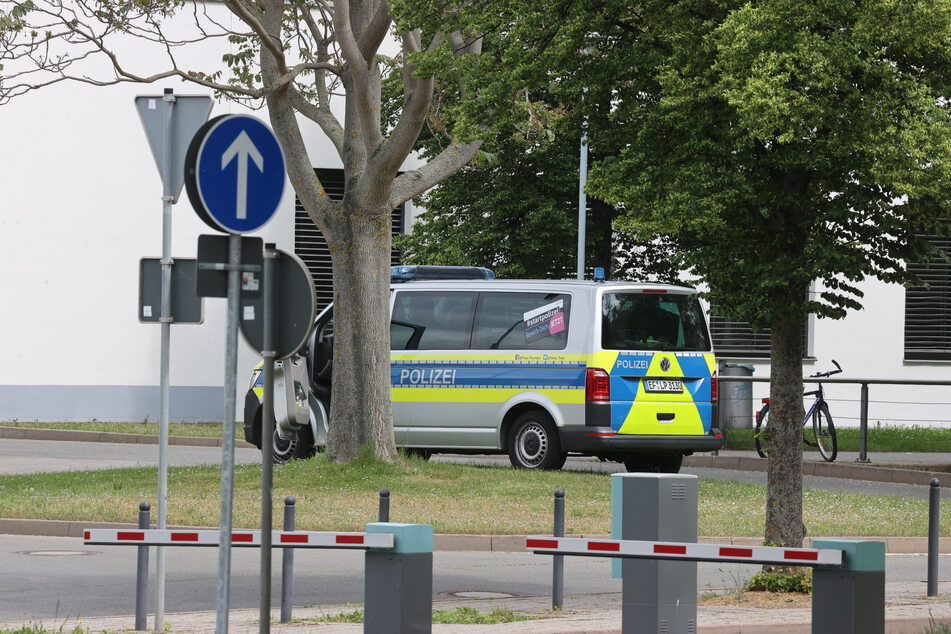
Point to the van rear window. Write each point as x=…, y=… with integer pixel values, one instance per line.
x=649, y=321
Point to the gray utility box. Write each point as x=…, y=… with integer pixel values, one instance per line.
x=736, y=398
x=657, y=595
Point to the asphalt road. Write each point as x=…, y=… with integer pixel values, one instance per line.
x=34, y=456
x=58, y=577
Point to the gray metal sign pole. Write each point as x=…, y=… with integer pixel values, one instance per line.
x=168, y=184
x=227, y=440
x=267, y=437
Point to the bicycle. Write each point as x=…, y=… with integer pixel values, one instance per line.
x=823, y=429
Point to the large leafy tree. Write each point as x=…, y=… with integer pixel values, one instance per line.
x=797, y=149
x=790, y=149
x=293, y=56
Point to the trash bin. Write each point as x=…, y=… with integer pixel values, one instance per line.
x=736, y=398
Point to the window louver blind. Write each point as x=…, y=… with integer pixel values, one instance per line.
x=310, y=245
x=928, y=308
x=737, y=338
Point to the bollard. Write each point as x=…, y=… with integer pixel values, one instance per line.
x=384, y=505
x=287, y=569
x=850, y=599
x=934, y=512
x=142, y=572
x=398, y=582
x=863, y=427
x=558, y=561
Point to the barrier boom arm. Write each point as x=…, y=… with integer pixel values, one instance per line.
x=279, y=539
x=686, y=551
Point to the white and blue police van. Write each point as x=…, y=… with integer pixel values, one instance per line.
x=537, y=369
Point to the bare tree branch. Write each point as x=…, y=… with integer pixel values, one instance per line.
x=359, y=70
x=378, y=28
x=322, y=117
x=410, y=184
x=417, y=97
x=253, y=19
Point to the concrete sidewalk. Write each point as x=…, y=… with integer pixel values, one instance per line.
x=907, y=611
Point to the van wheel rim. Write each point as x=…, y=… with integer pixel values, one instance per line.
x=283, y=448
x=532, y=444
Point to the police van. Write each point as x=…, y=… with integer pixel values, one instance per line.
x=537, y=369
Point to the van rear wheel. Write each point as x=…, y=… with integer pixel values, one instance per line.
x=534, y=443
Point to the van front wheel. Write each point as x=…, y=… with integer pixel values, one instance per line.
x=534, y=443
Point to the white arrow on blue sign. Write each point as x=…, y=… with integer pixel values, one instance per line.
x=234, y=173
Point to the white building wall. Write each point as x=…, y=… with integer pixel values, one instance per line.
x=869, y=344
x=81, y=205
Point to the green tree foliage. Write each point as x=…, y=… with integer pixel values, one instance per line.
x=516, y=212
x=790, y=149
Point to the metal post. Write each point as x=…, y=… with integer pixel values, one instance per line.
x=142, y=572
x=582, y=198
x=384, y=505
x=558, y=561
x=863, y=427
x=267, y=437
x=227, y=440
x=287, y=570
x=934, y=513
x=166, y=324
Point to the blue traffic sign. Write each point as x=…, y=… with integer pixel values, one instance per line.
x=234, y=173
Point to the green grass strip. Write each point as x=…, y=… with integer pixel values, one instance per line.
x=456, y=499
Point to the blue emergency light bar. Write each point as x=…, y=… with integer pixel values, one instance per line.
x=407, y=273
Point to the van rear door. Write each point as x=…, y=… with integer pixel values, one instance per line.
x=656, y=349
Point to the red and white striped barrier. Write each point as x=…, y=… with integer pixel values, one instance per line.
x=686, y=551
x=279, y=539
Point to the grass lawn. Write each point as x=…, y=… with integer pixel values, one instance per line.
x=453, y=498
x=880, y=437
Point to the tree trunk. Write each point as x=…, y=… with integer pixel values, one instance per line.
x=784, y=525
x=361, y=411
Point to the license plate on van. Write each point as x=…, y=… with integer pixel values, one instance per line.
x=676, y=387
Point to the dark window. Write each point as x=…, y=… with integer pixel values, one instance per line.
x=928, y=308
x=522, y=321
x=431, y=320
x=652, y=321
x=733, y=338
x=310, y=245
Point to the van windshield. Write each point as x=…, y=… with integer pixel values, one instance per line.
x=653, y=321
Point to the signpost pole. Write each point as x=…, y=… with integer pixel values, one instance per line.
x=267, y=437
x=168, y=184
x=227, y=440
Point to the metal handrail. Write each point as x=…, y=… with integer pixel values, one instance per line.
x=863, y=418
x=816, y=379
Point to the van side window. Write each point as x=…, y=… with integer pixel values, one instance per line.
x=435, y=320
x=520, y=321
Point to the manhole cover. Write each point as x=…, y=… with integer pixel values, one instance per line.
x=480, y=594
x=58, y=553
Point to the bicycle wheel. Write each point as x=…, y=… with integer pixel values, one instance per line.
x=824, y=430
x=759, y=436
